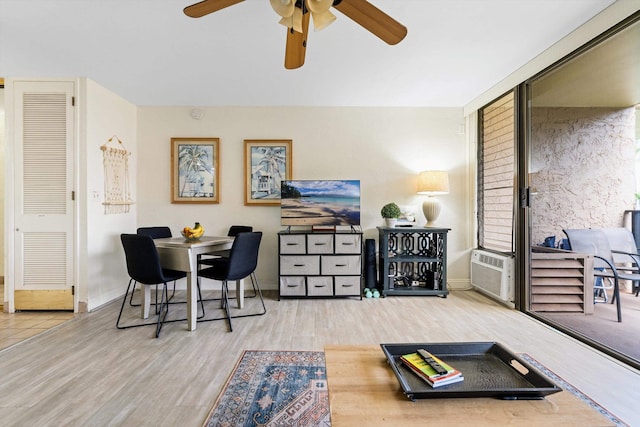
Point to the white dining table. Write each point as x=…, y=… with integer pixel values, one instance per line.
x=180, y=254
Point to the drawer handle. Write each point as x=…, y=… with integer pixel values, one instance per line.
x=299, y=265
x=320, y=286
x=320, y=244
x=347, y=286
x=292, y=244
x=341, y=265
x=292, y=286
x=347, y=244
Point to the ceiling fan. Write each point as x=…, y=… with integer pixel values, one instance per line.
x=296, y=15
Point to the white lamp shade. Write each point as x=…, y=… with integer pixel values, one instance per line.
x=433, y=183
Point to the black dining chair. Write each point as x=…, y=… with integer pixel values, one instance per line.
x=207, y=259
x=156, y=232
x=241, y=263
x=143, y=266
x=234, y=230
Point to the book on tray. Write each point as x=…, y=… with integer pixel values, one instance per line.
x=431, y=369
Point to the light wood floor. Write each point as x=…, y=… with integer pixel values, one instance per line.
x=87, y=373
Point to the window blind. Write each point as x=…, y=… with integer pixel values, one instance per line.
x=496, y=175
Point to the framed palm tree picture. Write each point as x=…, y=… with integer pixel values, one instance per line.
x=195, y=170
x=266, y=164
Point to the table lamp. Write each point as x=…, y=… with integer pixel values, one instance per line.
x=432, y=183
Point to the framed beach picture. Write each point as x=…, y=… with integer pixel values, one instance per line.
x=195, y=170
x=266, y=164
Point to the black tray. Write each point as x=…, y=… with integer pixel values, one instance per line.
x=488, y=368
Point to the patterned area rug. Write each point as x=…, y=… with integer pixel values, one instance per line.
x=274, y=388
x=289, y=388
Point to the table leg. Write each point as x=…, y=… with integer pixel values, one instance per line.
x=192, y=300
x=240, y=293
x=146, y=301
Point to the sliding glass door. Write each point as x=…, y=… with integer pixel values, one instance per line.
x=581, y=145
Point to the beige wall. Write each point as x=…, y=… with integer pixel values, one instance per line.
x=384, y=148
x=102, y=270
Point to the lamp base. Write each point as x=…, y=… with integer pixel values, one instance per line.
x=431, y=208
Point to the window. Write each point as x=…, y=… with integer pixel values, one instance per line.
x=496, y=174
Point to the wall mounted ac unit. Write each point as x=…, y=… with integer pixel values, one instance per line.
x=493, y=274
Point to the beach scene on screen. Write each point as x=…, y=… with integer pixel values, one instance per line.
x=320, y=202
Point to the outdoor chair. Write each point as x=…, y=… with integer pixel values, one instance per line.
x=594, y=242
x=241, y=263
x=625, y=252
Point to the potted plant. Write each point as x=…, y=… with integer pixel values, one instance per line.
x=390, y=212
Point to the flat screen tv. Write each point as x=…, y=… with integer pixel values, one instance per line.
x=320, y=202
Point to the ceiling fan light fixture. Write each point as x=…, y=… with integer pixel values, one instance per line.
x=322, y=20
x=297, y=20
x=320, y=13
x=287, y=22
x=284, y=8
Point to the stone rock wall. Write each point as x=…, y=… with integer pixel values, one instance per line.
x=582, y=169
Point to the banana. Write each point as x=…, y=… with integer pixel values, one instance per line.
x=198, y=230
x=193, y=233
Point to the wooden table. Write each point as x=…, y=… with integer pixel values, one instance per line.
x=179, y=254
x=363, y=390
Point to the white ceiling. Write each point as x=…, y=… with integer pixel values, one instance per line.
x=150, y=53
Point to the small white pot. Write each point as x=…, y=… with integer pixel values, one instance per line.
x=390, y=222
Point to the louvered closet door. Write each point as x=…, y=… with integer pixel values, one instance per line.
x=44, y=160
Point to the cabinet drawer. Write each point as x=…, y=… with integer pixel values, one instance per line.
x=348, y=243
x=340, y=265
x=292, y=286
x=348, y=285
x=293, y=244
x=320, y=286
x=299, y=265
x=320, y=243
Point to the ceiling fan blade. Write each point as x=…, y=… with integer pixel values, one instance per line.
x=296, y=45
x=206, y=7
x=372, y=19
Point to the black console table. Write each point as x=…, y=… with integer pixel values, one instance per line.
x=413, y=260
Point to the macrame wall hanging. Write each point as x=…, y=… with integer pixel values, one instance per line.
x=117, y=195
